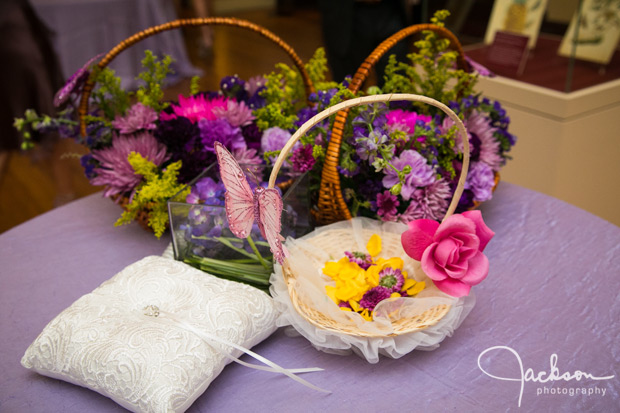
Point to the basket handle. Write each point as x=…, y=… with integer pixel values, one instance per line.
x=222, y=21
x=330, y=191
x=374, y=99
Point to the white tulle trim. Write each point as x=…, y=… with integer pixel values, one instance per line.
x=307, y=258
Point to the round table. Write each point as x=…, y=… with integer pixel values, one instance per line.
x=548, y=309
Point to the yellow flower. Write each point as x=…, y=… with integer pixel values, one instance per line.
x=374, y=245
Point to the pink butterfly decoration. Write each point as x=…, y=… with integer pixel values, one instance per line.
x=243, y=206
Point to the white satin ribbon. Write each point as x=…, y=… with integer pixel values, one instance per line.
x=153, y=311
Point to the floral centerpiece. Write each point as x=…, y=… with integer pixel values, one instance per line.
x=400, y=162
x=143, y=150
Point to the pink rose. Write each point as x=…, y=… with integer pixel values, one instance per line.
x=450, y=252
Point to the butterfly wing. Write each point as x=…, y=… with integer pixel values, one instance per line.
x=269, y=221
x=239, y=200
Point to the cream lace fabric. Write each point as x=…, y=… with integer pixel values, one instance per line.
x=115, y=341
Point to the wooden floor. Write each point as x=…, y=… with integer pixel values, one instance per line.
x=34, y=183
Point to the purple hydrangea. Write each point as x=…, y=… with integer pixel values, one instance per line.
x=421, y=173
x=219, y=130
x=480, y=180
x=138, y=117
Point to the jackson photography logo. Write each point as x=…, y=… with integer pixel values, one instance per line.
x=522, y=376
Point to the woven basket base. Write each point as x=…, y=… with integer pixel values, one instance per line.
x=401, y=326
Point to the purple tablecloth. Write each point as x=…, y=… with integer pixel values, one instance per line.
x=552, y=289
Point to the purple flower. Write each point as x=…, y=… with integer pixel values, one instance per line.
x=479, y=126
x=374, y=296
x=480, y=180
x=247, y=156
x=206, y=191
x=138, y=117
x=252, y=136
x=274, y=139
x=386, y=206
x=366, y=147
x=430, y=202
x=219, y=130
x=234, y=86
x=236, y=113
x=302, y=159
x=254, y=84
x=89, y=164
x=75, y=82
x=363, y=259
x=391, y=278
x=115, y=171
x=182, y=138
x=421, y=173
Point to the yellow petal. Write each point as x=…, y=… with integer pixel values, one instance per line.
x=372, y=275
x=374, y=245
x=395, y=295
x=409, y=282
x=419, y=286
x=366, y=315
x=330, y=290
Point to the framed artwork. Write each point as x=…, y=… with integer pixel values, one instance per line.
x=594, y=34
x=522, y=17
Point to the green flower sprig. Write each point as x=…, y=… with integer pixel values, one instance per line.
x=155, y=73
x=433, y=71
x=153, y=193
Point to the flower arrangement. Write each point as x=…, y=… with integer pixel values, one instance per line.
x=362, y=281
x=143, y=150
x=400, y=162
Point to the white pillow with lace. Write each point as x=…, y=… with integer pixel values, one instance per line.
x=142, y=337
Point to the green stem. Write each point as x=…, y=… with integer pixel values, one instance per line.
x=258, y=255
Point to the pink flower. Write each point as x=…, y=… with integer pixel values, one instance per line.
x=404, y=120
x=115, y=171
x=236, y=113
x=195, y=108
x=138, y=117
x=450, y=252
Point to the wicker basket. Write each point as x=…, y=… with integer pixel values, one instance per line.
x=143, y=216
x=313, y=315
x=331, y=206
